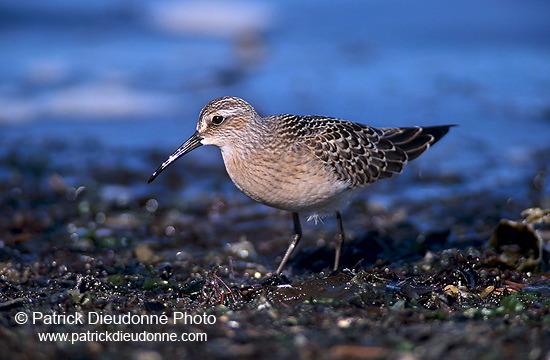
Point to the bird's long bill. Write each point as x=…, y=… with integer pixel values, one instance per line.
x=192, y=143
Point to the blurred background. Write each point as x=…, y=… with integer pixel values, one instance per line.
x=127, y=76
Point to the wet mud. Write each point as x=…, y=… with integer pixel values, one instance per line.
x=465, y=276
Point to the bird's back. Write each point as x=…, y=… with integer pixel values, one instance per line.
x=357, y=153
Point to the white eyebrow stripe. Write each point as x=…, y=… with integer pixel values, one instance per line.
x=226, y=112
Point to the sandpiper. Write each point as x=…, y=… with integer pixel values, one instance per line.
x=303, y=164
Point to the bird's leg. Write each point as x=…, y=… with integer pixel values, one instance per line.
x=295, y=240
x=338, y=241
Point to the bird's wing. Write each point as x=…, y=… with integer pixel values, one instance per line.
x=358, y=153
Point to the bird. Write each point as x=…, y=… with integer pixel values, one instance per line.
x=304, y=164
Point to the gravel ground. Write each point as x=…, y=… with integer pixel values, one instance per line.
x=426, y=280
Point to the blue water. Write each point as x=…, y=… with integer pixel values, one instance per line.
x=135, y=74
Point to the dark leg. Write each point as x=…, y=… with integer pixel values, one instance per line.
x=295, y=240
x=338, y=241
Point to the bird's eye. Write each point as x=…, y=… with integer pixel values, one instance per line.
x=217, y=119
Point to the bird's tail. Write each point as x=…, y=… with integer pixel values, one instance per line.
x=415, y=140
